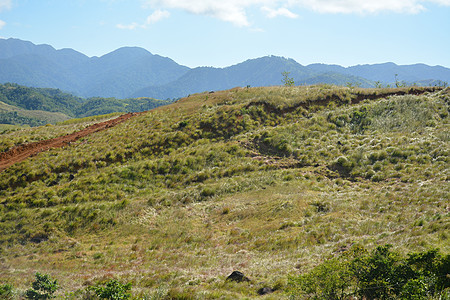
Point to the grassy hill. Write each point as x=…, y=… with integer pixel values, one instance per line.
x=13, y=115
x=268, y=181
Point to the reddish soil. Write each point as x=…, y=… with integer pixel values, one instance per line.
x=22, y=152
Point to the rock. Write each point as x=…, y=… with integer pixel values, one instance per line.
x=265, y=290
x=238, y=277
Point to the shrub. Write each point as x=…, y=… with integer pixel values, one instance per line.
x=343, y=165
x=42, y=288
x=6, y=291
x=330, y=280
x=414, y=289
x=360, y=120
x=113, y=290
x=208, y=192
x=381, y=274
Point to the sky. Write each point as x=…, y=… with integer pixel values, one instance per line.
x=221, y=33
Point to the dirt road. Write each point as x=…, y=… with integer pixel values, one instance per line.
x=22, y=152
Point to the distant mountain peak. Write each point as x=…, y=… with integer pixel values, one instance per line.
x=133, y=51
x=134, y=71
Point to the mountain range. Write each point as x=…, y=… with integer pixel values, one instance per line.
x=131, y=72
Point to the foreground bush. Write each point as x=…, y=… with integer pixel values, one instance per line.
x=380, y=274
x=6, y=291
x=42, y=288
x=113, y=290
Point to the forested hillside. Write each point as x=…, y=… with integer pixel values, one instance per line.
x=39, y=106
x=39, y=98
x=312, y=192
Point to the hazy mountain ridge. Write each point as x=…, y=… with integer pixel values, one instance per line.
x=386, y=72
x=116, y=74
x=264, y=71
x=135, y=72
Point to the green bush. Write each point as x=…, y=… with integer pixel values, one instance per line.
x=330, y=280
x=6, y=291
x=381, y=274
x=113, y=290
x=42, y=288
x=414, y=289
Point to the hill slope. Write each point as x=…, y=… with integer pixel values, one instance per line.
x=268, y=181
x=50, y=100
x=13, y=115
x=40, y=106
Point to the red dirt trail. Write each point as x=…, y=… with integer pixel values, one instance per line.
x=22, y=152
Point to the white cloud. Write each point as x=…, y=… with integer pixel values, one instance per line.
x=360, y=6
x=5, y=4
x=131, y=26
x=235, y=11
x=257, y=29
x=366, y=6
x=2, y=23
x=155, y=17
x=281, y=12
x=442, y=2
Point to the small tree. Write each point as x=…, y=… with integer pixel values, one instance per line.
x=287, y=81
x=42, y=288
x=399, y=83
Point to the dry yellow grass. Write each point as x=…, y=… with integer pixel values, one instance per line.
x=174, y=207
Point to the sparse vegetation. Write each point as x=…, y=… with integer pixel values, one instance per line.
x=278, y=182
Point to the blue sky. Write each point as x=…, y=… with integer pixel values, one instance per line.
x=221, y=33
